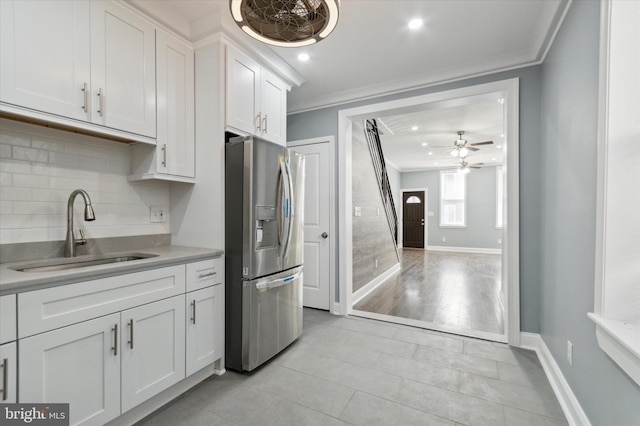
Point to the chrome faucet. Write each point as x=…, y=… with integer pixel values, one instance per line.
x=71, y=243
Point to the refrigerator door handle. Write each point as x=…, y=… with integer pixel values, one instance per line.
x=286, y=209
x=292, y=206
x=278, y=282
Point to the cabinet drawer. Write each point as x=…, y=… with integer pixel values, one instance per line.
x=7, y=318
x=51, y=308
x=205, y=273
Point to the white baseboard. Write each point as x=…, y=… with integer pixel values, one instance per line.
x=568, y=401
x=363, y=291
x=479, y=250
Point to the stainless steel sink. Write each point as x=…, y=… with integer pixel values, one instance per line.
x=73, y=263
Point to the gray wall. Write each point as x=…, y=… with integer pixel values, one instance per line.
x=568, y=201
x=324, y=122
x=481, y=229
x=372, y=239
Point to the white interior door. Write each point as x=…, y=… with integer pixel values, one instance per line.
x=317, y=224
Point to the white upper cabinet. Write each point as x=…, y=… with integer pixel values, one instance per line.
x=243, y=94
x=45, y=62
x=173, y=158
x=123, y=76
x=273, y=96
x=256, y=100
x=93, y=62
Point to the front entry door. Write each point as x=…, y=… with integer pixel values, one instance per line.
x=413, y=219
x=317, y=232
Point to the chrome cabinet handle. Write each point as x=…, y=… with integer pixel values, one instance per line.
x=85, y=106
x=208, y=274
x=164, y=155
x=101, y=103
x=265, y=121
x=115, y=339
x=131, y=332
x=259, y=117
x=193, y=306
x=5, y=376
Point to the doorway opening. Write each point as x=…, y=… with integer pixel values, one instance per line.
x=508, y=266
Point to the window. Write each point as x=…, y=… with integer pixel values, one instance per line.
x=499, y=196
x=413, y=200
x=617, y=284
x=453, y=191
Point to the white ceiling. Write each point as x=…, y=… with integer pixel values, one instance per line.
x=372, y=52
x=481, y=120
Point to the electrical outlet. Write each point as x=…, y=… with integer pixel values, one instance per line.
x=499, y=240
x=376, y=263
x=357, y=211
x=570, y=353
x=378, y=211
x=444, y=240
x=158, y=214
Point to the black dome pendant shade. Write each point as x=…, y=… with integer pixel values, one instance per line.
x=286, y=23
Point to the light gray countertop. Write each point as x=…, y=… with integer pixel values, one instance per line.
x=12, y=281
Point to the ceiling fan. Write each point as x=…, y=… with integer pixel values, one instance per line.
x=461, y=148
x=465, y=167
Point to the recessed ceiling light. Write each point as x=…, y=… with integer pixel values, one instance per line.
x=414, y=128
x=498, y=146
x=304, y=57
x=416, y=23
x=424, y=144
x=502, y=135
x=435, y=164
x=493, y=159
x=429, y=153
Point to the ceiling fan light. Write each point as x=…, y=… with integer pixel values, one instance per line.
x=454, y=152
x=286, y=23
x=332, y=5
x=464, y=170
x=463, y=152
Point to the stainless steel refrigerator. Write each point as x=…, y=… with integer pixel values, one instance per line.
x=264, y=200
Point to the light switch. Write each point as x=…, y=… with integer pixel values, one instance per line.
x=431, y=214
x=357, y=211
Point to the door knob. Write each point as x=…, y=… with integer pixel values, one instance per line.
x=325, y=235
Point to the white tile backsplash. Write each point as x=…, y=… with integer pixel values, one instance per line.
x=39, y=167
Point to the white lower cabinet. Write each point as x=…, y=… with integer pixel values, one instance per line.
x=79, y=365
x=205, y=321
x=147, y=337
x=153, y=356
x=8, y=373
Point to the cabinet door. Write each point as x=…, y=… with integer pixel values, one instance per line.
x=8, y=365
x=153, y=351
x=79, y=365
x=205, y=319
x=273, y=97
x=45, y=56
x=243, y=95
x=8, y=327
x=175, y=101
x=123, y=82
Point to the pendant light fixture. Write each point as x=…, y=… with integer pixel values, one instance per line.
x=286, y=23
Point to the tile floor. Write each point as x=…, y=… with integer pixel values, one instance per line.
x=455, y=290
x=347, y=370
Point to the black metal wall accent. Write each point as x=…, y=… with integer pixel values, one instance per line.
x=377, y=156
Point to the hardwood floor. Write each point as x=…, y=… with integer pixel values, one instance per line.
x=456, y=290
